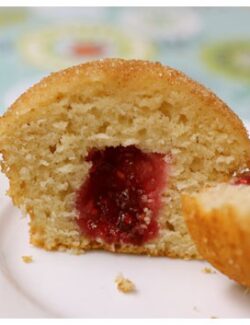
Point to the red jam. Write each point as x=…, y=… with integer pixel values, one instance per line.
x=242, y=178
x=121, y=198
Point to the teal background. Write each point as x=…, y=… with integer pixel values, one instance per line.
x=216, y=26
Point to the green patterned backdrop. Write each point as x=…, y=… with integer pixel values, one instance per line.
x=212, y=45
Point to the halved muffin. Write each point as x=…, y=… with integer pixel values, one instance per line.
x=219, y=223
x=99, y=154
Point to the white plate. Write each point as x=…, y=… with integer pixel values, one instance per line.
x=62, y=285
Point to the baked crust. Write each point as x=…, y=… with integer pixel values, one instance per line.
x=222, y=236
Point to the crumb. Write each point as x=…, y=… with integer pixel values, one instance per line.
x=124, y=285
x=208, y=270
x=213, y=317
x=195, y=309
x=27, y=259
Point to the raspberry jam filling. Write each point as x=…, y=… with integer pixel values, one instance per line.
x=242, y=178
x=121, y=198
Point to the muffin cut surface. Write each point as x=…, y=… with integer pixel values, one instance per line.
x=99, y=154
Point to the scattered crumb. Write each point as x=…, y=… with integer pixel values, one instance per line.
x=27, y=259
x=124, y=285
x=208, y=270
x=214, y=317
x=195, y=309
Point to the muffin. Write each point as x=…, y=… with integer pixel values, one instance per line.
x=219, y=223
x=98, y=156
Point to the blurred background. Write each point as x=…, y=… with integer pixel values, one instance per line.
x=212, y=45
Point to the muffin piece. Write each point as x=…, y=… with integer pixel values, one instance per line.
x=99, y=154
x=219, y=223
